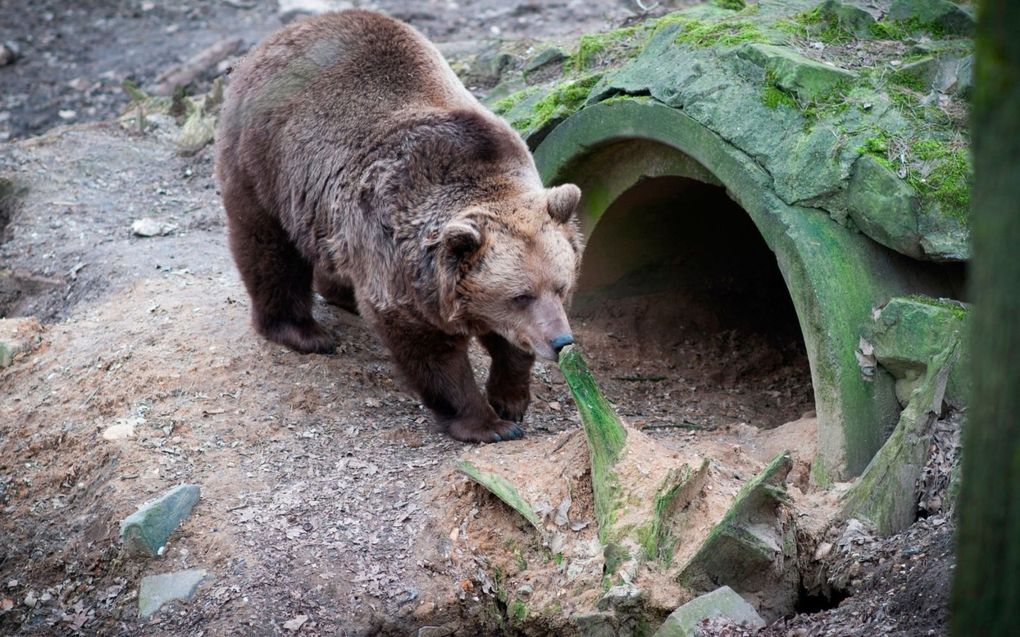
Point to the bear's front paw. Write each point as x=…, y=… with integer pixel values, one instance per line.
x=510, y=407
x=495, y=431
x=306, y=337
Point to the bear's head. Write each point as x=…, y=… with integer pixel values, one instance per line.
x=510, y=268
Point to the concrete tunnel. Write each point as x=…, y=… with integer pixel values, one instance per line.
x=670, y=207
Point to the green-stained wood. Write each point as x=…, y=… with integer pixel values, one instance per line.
x=605, y=434
x=502, y=489
x=986, y=595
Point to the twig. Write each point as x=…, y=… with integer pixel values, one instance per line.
x=564, y=441
x=676, y=425
x=637, y=378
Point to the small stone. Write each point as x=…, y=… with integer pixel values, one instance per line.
x=148, y=227
x=823, y=550
x=156, y=590
x=79, y=84
x=543, y=59
x=123, y=429
x=30, y=600
x=146, y=530
x=296, y=623
x=622, y=598
x=722, y=602
x=67, y=115
x=18, y=336
x=8, y=53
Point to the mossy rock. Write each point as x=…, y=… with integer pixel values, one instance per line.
x=909, y=332
x=944, y=15
x=793, y=73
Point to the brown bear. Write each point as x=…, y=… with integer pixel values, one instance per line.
x=350, y=156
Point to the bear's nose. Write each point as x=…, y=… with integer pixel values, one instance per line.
x=561, y=341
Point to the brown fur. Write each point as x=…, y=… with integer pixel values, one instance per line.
x=350, y=155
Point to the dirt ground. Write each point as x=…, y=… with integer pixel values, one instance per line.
x=324, y=494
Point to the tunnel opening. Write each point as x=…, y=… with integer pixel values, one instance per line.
x=683, y=306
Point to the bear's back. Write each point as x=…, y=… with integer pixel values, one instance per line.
x=351, y=67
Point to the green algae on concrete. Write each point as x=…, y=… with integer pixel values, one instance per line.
x=908, y=333
x=752, y=548
x=884, y=206
x=833, y=297
x=886, y=492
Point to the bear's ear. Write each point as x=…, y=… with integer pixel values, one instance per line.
x=562, y=201
x=461, y=238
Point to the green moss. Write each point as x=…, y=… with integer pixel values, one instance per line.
x=522, y=564
x=813, y=25
x=928, y=149
x=732, y=5
x=956, y=308
x=774, y=97
x=829, y=105
x=891, y=30
x=819, y=474
x=700, y=34
x=562, y=101
x=504, y=105
x=646, y=538
x=596, y=48
x=879, y=146
x=912, y=81
x=944, y=177
x=516, y=612
x=588, y=47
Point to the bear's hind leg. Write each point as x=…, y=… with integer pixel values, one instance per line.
x=337, y=290
x=277, y=277
x=509, y=383
x=437, y=365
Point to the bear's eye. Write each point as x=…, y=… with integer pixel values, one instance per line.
x=523, y=300
x=561, y=291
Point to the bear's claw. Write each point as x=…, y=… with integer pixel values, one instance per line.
x=496, y=432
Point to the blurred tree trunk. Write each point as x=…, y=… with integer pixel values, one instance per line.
x=986, y=596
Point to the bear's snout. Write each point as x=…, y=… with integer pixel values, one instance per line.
x=561, y=341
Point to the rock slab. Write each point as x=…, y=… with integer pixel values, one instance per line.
x=146, y=531
x=722, y=602
x=157, y=590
